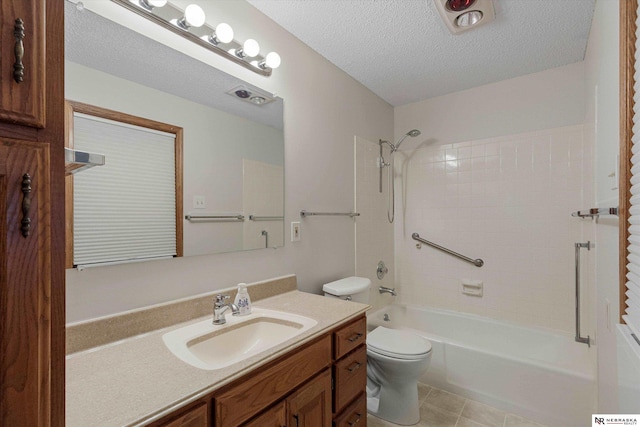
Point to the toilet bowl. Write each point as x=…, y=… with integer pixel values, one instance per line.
x=395, y=361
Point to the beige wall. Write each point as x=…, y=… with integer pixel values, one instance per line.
x=544, y=100
x=324, y=109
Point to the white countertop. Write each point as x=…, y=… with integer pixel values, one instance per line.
x=138, y=380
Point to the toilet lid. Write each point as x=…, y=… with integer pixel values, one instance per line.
x=398, y=344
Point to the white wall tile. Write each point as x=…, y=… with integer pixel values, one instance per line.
x=510, y=204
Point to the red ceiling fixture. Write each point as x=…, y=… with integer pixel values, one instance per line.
x=459, y=5
x=464, y=15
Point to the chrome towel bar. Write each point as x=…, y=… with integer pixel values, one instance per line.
x=191, y=217
x=304, y=214
x=265, y=218
x=477, y=262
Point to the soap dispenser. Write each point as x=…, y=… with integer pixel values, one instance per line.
x=242, y=300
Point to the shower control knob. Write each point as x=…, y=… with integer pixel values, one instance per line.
x=382, y=270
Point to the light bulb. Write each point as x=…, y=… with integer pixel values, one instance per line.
x=224, y=33
x=150, y=4
x=272, y=60
x=193, y=17
x=250, y=48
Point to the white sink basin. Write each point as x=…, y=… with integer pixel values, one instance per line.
x=208, y=346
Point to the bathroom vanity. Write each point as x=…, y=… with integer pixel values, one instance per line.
x=316, y=379
x=294, y=390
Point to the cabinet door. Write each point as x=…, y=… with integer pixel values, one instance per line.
x=274, y=417
x=25, y=283
x=22, y=69
x=311, y=405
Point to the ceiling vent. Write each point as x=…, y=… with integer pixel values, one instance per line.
x=251, y=96
x=464, y=15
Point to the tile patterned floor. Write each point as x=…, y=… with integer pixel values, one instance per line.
x=439, y=408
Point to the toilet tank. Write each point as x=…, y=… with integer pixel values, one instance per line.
x=350, y=288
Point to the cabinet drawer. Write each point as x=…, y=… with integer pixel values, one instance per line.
x=354, y=415
x=350, y=375
x=349, y=337
x=274, y=417
x=261, y=389
x=198, y=417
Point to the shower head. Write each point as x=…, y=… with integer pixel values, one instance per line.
x=412, y=133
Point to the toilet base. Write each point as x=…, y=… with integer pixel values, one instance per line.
x=399, y=406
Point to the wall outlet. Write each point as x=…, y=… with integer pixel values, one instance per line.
x=295, y=231
x=199, y=202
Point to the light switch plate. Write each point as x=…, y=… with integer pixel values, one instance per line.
x=295, y=231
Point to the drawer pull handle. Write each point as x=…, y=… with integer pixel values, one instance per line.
x=356, y=421
x=354, y=366
x=355, y=337
x=18, y=51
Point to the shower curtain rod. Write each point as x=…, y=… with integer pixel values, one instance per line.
x=477, y=262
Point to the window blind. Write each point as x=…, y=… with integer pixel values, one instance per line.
x=126, y=209
x=632, y=294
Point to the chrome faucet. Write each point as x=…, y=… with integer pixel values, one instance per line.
x=385, y=290
x=220, y=307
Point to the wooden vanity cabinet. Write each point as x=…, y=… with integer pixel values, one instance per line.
x=22, y=81
x=249, y=396
x=350, y=374
x=32, y=213
x=197, y=416
x=318, y=385
x=273, y=417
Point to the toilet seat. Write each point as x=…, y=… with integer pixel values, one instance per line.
x=397, y=344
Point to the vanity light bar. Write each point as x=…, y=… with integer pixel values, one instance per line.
x=191, y=26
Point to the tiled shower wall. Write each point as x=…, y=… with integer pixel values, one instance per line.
x=507, y=200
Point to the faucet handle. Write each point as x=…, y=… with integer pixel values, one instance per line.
x=220, y=298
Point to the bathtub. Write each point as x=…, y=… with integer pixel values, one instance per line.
x=534, y=373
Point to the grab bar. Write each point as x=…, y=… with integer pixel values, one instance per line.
x=265, y=233
x=304, y=213
x=580, y=338
x=477, y=262
x=191, y=217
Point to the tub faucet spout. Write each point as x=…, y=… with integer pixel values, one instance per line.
x=385, y=290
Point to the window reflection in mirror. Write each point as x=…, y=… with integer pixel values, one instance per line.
x=130, y=208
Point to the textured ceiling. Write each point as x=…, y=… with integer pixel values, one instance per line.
x=402, y=51
x=101, y=44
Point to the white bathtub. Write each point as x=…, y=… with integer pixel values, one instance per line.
x=533, y=373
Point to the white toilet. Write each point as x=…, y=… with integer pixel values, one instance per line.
x=395, y=361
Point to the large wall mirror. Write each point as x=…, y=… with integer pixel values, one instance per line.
x=233, y=179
